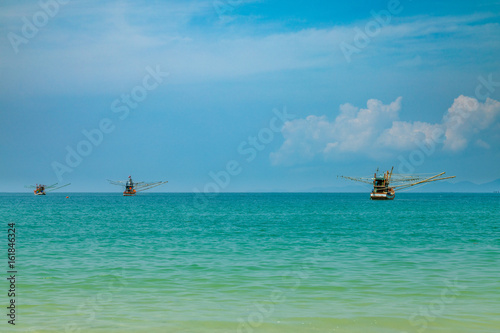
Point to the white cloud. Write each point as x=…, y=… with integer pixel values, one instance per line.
x=466, y=118
x=353, y=130
x=482, y=144
x=94, y=47
x=376, y=130
x=413, y=62
x=403, y=135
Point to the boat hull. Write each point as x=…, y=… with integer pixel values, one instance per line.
x=129, y=193
x=382, y=196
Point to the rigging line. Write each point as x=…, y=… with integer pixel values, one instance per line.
x=150, y=187
x=53, y=189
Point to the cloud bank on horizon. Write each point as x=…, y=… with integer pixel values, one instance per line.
x=376, y=131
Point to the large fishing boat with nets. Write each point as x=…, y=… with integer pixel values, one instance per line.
x=386, y=184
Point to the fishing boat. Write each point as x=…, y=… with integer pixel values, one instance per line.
x=131, y=187
x=381, y=189
x=40, y=189
x=386, y=184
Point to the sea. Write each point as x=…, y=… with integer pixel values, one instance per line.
x=251, y=262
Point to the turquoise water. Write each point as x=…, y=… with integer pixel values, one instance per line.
x=254, y=263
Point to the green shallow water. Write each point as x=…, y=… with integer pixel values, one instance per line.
x=255, y=263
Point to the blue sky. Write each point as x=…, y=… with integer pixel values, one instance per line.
x=266, y=84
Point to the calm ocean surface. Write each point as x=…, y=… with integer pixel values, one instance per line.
x=254, y=263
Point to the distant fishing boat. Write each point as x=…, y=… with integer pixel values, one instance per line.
x=131, y=187
x=382, y=188
x=40, y=189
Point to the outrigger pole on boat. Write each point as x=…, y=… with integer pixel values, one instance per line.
x=428, y=180
x=41, y=189
x=382, y=189
x=131, y=187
